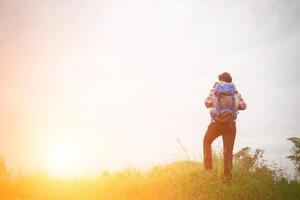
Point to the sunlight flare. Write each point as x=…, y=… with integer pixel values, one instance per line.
x=65, y=158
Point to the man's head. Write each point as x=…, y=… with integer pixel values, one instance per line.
x=225, y=76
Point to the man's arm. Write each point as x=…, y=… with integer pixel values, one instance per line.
x=242, y=102
x=209, y=99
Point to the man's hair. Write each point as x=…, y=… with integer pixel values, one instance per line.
x=225, y=76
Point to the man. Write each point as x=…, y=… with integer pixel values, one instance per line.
x=224, y=101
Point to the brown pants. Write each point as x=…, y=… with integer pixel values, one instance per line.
x=228, y=132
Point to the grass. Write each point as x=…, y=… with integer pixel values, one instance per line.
x=182, y=180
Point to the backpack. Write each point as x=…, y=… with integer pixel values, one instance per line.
x=224, y=103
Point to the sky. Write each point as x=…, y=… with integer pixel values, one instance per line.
x=121, y=82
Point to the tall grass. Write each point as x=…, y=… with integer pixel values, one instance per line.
x=182, y=180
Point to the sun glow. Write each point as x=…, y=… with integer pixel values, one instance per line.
x=64, y=158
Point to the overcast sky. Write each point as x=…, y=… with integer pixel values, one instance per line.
x=126, y=78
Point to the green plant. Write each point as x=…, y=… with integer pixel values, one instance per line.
x=295, y=156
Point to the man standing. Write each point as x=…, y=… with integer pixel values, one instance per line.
x=224, y=101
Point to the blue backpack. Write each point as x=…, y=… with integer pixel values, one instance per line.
x=224, y=103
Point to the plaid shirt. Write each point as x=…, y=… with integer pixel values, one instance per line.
x=241, y=102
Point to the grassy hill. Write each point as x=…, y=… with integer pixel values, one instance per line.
x=182, y=180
